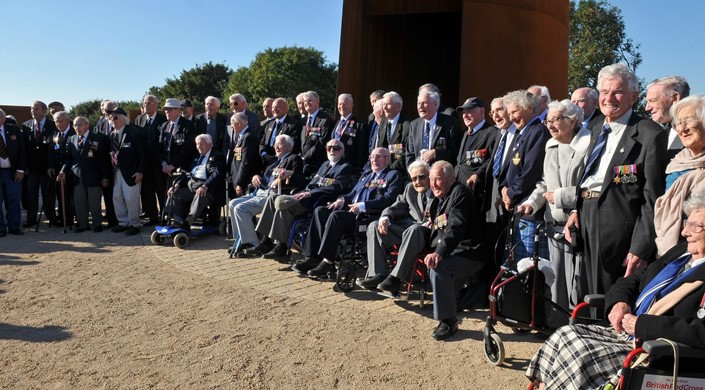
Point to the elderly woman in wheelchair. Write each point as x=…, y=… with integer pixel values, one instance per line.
x=664, y=300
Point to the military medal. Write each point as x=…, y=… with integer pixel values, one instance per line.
x=701, y=312
x=90, y=153
x=516, y=159
x=441, y=221
x=238, y=153
x=632, y=173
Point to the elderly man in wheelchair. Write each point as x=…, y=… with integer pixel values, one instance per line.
x=202, y=186
x=664, y=300
x=376, y=190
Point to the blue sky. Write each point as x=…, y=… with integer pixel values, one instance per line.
x=80, y=50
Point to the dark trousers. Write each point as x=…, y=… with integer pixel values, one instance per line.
x=65, y=203
x=108, y=200
x=152, y=195
x=593, y=274
x=36, y=182
x=326, y=231
x=10, y=196
x=446, y=280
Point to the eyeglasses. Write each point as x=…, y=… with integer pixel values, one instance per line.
x=377, y=157
x=335, y=148
x=693, y=227
x=114, y=118
x=234, y=103
x=419, y=177
x=689, y=122
x=554, y=120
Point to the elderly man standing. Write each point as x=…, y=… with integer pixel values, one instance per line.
x=177, y=141
x=333, y=178
x=541, y=91
x=661, y=94
x=103, y=125
x=476, y=147
x=389, y=230
x=153, y=183
x=213, y=123
x=266, y=111
x=242, y=158
x=57, y=156
x=586, y=99
x=13, y=162
x=205, y=187
x=87, y=170
x=623, y=177
x=351, y=132
x=38, y=133
x=375, y=191
x=433, y=135
x=316, y=132
x=394, y=130
x=127, y=157
x=238, y=103
x=284, y=173
x=281, y=124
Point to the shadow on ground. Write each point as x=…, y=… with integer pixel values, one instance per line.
x=44, y=334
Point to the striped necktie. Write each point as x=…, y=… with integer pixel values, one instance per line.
x=596, y=152
x=497, y=163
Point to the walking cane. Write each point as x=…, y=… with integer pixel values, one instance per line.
x=227, y=206
x=63, y=204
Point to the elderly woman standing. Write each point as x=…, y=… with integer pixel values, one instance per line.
x=685, y=174
x=565, y=155
x=661, y=300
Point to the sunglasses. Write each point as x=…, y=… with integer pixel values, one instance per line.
x=114, y=118
x=336, y=148
x=419, y=177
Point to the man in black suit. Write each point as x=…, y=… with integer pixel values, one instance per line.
x=407, y=211
x=433, y=135
x=623, y=177
x=205, y=187
x=177, y=141
x=38, y=133
x=586, y=99
x=13, y=163
x=86, y=170
x=352, y=133
x=661, y=94
x=267, y=111
x=127, y=157
x=374, y=126
x=281, y=124
x=58, y=149
x=523, y=168
x=376, y=190
x=213, y=123
x=153, y=181
x=242, y=158
x=476, y=147
x=394, y=133
x=103, y=125
x=333, y=178
x=238, y=103
x=316, y=132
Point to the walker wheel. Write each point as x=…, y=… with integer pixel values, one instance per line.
x=494, y=349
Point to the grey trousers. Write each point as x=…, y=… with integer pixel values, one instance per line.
x=278, y=217
x=87, y=199
x=565, y=291
x=244, y=212
x=414, y=240
x=378, y=244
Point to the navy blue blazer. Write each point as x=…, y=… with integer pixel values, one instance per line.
x=446, y=139
x=290, y=126
x=58, y=149
x=243, y=159
x=131, y=155
x=37, y=148
x=377, y=194
x=150, y=134
x=220, y=143
x=89, y=164
x=216, y=171
x=329, y=182
x=14, y=145
x=524, y=165
x=315, y=137
x=355, y=138
x=183, y=144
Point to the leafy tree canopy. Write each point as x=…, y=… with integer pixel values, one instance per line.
x=597, y=39
x=195, y=84
x=91, y=109
x=286, y=72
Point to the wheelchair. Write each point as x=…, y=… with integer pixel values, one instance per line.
x=656, y=364
x=352, y=255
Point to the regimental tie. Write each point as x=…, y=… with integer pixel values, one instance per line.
x=497, y=163
x=80, y=143
x=390, y=131
x=37, y=131
x=341, y=126
x=593, y=161
x=427, y=136
x=115, y=148
x=3, y=147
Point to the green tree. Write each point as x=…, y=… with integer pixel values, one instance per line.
x=195, y=84
x=286, y=72
x=91, y=109
x=597, y=39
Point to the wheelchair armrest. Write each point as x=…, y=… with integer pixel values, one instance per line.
x=595, y=300
x=663, y=348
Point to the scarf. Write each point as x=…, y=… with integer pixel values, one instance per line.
x=663, y=283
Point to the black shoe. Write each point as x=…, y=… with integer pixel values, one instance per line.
x=132, y=230
x=323, y=270
x=240, y=248
x=80, y=230
x=3, y=234
x=111, y=225
x=118, y=229
x=304, y=265
x=391, y=284
x=16, y=232
x=279, y=250
x=29, y=224
x=151, y=222
x=372, y=282
x=445, y=329
x=97, y=229
x=259, y=250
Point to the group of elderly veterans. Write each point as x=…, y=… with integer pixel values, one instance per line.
x=604, y=190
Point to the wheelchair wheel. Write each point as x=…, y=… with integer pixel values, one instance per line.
x=494, y=349
x=345, y=278
x=181, y=240
x=157, y=238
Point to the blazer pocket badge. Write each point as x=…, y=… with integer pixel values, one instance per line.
x=516, y=160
